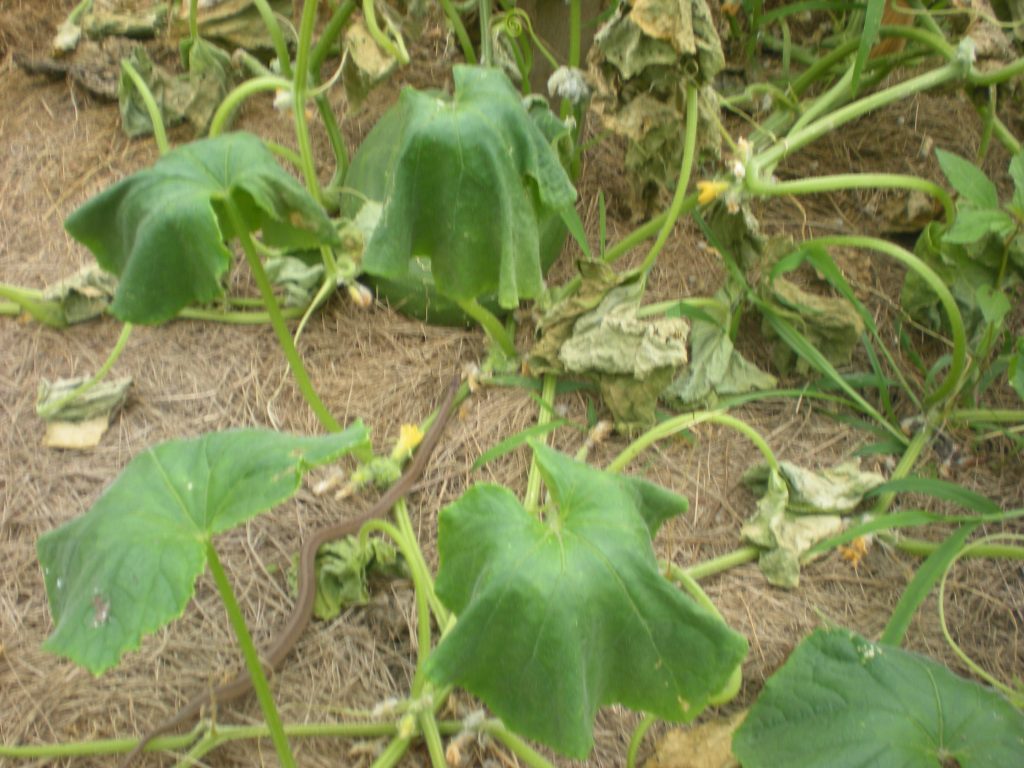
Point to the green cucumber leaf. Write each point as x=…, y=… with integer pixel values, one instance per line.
x=162, y=229
x=842, y=701
x=972, y=224
x=465, y=181
x=968, y=180
x=557, y=617
x=128, y=566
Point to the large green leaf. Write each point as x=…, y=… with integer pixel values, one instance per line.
x=162, y=230
x=560, y=616
x=128, y=566
x=464, y=181
x=844, y=702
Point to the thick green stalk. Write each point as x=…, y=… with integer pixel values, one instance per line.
x=677, y=424
x=486, y=43
x=276, y=36
x=531, y=500
x=716, y=565
x=922, y=548
x=226, y=109
x=431, y=735
x=300, y=85
x=990, y=415
x=277, y=320
x=637, y=739
x=492, y=325
x=460, y=31
x=518, y=747
x=29, y=300
x=252, y=659
x=393, y=752
x=818, y=184
x=679, y=199
x=997, y=76
x=85, y=386
x=396, y=49
x=236, y=318
x=193, y=20
x=800, y=138
x=159, y=132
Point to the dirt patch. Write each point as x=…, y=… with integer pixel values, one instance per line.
x=59, y=146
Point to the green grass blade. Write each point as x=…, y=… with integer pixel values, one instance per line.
x=512, y=442
x=927, y=576
x=940, y=489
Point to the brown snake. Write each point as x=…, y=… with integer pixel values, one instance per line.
x=241, y=683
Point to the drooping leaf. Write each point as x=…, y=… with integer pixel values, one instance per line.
x=798, y=508
x=169, y=92
x=84, y=295
x=128, y=566
x=557, y=617
x=969, y=180
x=162, y=229
x=830, y=323
x=643, y=59
x=716, y=368
x=844, y=702
x=599, y=333
x=466, y=182
x=342, y=568
x=365, y=65
x=236, y=24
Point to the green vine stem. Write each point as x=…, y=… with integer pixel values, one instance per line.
x=991, y=415
x=518, y=747
x=531, y=501
x=213, y=738
x=678, y=424
x=193, y=20
x=32, y=301
x=1015, y=696
x=713, y=567
x=85, y=386
x=395, y=49
x=486, y=42
x=276, y=36
x=159, y=132
x=239, y=94
x=236, y=318
x=817, y=184
x=637, y=739
x=277, y=320
x=393, y=752
x=252, y=659
x=949, y=386
x=460, y=30
x=678, y=204
x=300, y=84
x=923, y=548
x=432, y=736
x=766, y=160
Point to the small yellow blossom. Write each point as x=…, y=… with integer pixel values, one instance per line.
x=409, y=436
x=854, y=553
x=708, y=191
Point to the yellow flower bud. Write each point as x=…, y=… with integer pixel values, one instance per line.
x=409, y=436
x=708, y=191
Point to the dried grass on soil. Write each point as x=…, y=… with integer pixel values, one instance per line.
x=58, y=147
